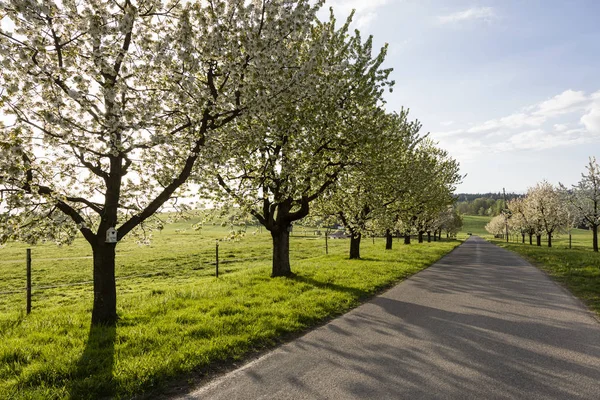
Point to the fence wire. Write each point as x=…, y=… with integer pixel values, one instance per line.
x=75, y=284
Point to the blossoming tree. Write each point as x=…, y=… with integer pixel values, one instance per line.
x=276, y=163
x=585, y=198
x=112, y=104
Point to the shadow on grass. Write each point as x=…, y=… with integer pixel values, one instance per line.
x=93, y=374
x=367, y=259
x=355, y=292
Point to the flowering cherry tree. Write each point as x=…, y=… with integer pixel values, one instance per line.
x=585, y=199
x=275, y=164
x=547, y=207
x=450, y=221
x=397, y=178
x=496, y=226
x=438, y=176
x=521, y=221
x=375, y=179
x=112, y=104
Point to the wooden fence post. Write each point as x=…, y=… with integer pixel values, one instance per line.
x=28, y=281
x=570, y=242
x=217, y=260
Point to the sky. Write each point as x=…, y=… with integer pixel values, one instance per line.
x=511, y=88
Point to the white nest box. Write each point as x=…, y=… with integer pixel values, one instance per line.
x=111, y=235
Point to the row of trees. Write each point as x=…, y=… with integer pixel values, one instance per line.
x=549, y=209
x=406, y=188
x=116, y=107
x=481, y=206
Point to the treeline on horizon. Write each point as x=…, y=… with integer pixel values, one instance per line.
x=483, y=204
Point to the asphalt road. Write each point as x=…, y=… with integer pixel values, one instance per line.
x=481, y=323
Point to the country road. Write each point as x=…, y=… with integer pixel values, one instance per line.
x=481, y=323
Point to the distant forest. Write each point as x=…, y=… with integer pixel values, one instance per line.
x=490, y=204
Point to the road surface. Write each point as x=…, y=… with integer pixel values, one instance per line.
x=481, y=323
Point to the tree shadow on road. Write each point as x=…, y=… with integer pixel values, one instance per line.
x=417, y=351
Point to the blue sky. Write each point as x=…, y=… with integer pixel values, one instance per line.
x=511, y=88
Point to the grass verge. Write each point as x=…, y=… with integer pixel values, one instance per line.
x=177, y=324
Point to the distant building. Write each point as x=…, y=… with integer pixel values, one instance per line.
x=339, y=235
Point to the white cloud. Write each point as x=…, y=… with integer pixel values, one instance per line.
x=537, y=139
x=540, y=139
x=538, y=114
x=439, y=135
x=566, y=102
x=447, y=123
x=560, y=127
x=531, y=129
x=464, y=149
x=513, y=121
x=591, y=120
x=486, y=14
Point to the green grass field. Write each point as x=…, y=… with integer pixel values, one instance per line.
x=474, y=224
x=176, y=320
x=580, y=238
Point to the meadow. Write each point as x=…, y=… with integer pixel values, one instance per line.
x=178, y=322
x=474, y=224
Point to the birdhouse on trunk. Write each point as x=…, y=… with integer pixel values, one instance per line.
x=111, y=235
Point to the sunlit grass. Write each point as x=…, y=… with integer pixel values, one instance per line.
x=475, y=225
x=178, y=319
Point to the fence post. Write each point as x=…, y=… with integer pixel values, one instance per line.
x=217, y=260
x=28, y=281
x=569, y=239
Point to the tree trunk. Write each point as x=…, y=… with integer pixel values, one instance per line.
x=407, y=238
x=538, y=240
x=428, y=236
x=549, y=239
x=595, y=237
x=355, y=246
x=388, y=240
x=531, y=238
x=104, y=311
x=421, y=237
x=281, y=252
x=523, y=237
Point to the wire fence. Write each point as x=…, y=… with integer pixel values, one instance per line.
x=217, y=262
x=74, y=284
